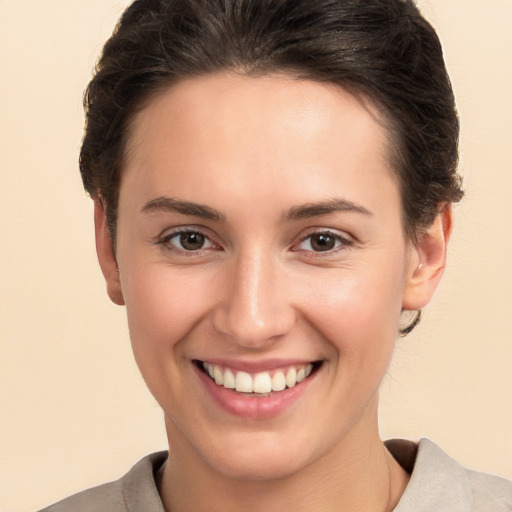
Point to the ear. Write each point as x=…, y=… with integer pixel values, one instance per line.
x=427, y=262
x=106, y=255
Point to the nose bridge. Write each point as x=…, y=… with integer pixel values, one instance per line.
x=255, y=309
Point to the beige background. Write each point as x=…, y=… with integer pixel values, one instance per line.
x=73, y=408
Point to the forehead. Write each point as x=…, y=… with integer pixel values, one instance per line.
x=256, y=131
x=235, y=99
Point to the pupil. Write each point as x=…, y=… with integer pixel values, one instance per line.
x=192, y=241
x=322, y=242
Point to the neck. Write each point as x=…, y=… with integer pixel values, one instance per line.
x=358, y=474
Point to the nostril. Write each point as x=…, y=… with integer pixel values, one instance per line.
x=253, y=329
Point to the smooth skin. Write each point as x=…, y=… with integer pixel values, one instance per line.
x=294, y=248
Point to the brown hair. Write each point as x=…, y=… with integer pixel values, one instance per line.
x=383, y=50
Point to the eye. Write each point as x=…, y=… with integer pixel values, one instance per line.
x=188, y=240
x=322, y=242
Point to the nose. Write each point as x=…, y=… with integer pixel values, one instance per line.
x=255, y=309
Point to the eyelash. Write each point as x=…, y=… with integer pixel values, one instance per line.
x=339, y=241
x=165, y=241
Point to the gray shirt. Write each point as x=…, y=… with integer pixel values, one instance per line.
x=437, y=484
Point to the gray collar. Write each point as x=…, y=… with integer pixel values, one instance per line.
x=437, y=483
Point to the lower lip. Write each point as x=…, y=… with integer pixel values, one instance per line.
x=253, y=407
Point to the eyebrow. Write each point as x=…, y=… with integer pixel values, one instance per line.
x=309, y=210
x=304, y=211
x=169, y=204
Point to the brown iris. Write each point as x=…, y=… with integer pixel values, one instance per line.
x=322, y=242
x=192, y=241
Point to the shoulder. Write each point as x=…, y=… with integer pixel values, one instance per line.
x=439, y=483
x=133, y=492
x=490, y=490
x=107, y=496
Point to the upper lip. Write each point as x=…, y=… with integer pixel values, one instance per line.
x=258, y=366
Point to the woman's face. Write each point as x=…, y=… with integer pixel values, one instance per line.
x=259, y=236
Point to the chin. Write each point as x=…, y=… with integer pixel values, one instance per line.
x=259, y=457
x=257, y=467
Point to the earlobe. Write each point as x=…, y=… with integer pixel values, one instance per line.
x=106, y=255
x=427, y=262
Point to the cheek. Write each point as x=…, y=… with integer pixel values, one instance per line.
x=162, y=307
x=358, y=314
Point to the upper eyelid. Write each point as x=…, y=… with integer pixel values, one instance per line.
x=164, y=242
x=173, y=234
x=345, y=241
x=333, y=232
x=167, y=234
x=170, y=232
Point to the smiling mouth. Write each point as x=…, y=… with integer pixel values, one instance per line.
x=261, y=383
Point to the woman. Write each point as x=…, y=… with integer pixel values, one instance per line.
x=273, y=184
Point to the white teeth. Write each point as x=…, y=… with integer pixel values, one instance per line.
x=229, y=379
x=262, y=382
x=278, y=381
x=291, y=377
x=218, y=375
x=243, y=382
